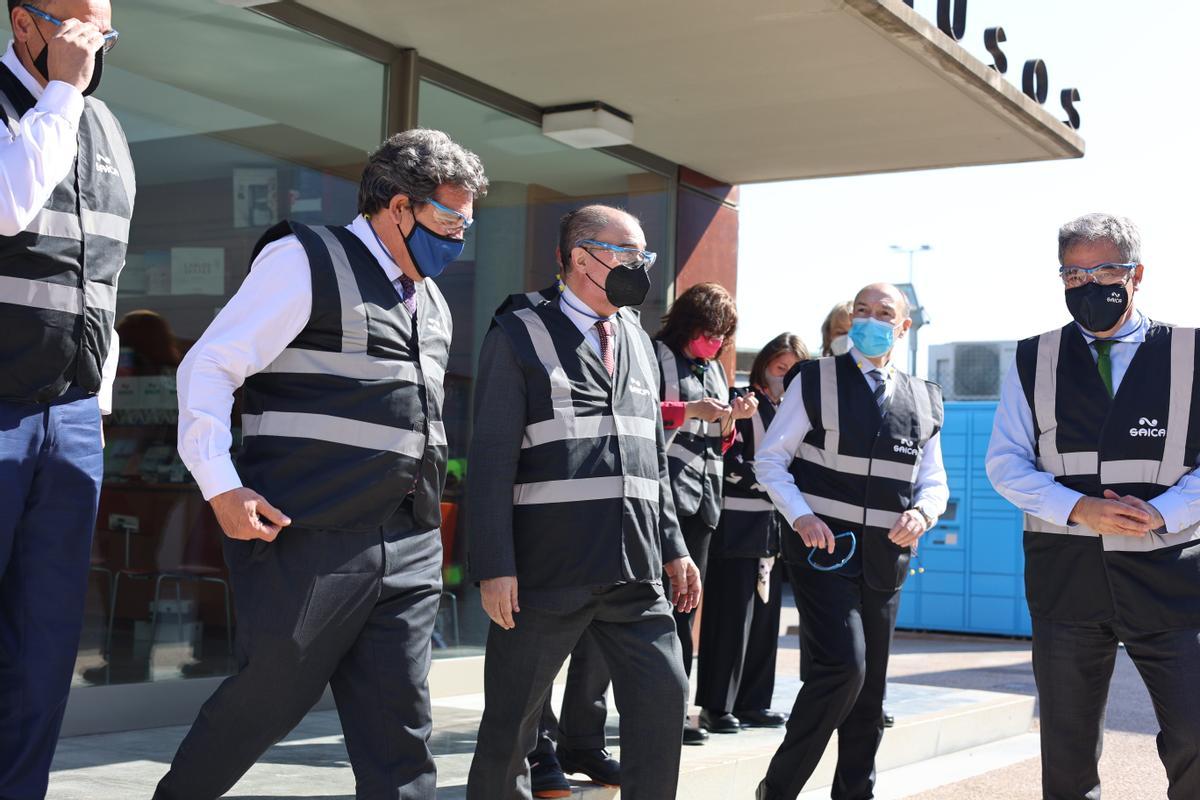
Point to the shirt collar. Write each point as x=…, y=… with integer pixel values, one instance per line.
x=10, y=60
x=1134, y=330
x=866, y=366
x=361, y=227
x=570, y=305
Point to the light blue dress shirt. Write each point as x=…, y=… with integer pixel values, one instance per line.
x=1011, y=463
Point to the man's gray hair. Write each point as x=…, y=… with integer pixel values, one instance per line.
x=414, y=163
x=584, y=223
x=1119, y=231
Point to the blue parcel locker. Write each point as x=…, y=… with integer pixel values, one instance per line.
x=968, y=572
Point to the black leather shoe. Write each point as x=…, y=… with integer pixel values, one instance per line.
x=762, y=718
x=888, y=719
x=546, y=777
x=719, y=721
x=692, y=735
x=598, y=765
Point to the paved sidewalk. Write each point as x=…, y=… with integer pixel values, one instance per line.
x=312, y=762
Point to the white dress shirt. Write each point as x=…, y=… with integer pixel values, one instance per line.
x=35, y=160
x=1012, y=465
x=268, y=311
x=791, y=425
x=572, y=306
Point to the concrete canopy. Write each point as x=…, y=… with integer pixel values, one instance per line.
x=744, y=92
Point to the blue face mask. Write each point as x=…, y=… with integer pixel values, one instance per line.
x=430, y=253
x=872, y=337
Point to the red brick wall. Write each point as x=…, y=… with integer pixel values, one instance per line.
x=706, y=244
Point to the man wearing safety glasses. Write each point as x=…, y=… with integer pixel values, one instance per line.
x=854, y=460
x=65, y=205
x=1097, y=440
x=339, y=339
x=573, y=521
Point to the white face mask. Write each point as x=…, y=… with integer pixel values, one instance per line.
x=775, y=387
x=840, y=344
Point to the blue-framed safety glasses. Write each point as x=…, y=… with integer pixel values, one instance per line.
x=110, y=38
x=838, y=564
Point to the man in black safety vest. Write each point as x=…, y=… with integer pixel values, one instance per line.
x=66, y=200
x=853, y=461
x=572, y=521
x=340, y=339
x=1097, y=440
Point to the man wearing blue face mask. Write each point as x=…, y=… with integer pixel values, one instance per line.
x=853, y=460
x=340, y=341
x=1097, y=440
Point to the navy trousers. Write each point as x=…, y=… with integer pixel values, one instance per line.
x=51, y=465
x=353, y=610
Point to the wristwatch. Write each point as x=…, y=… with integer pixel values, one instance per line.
x=928, y=519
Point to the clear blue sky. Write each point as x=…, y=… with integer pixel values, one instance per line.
x=805, y=245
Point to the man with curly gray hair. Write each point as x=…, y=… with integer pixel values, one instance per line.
x=339, y=340
x=1097, y=440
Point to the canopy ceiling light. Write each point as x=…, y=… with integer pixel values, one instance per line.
x=587, y=125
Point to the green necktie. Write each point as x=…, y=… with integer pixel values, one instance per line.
x=1104, y=362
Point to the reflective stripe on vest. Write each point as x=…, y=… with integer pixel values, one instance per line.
x=352, y=362
x=851, y=513
x=1165, y=473
x=613, y=487
x=830, y=458
x=566, y=425
x=754, y=504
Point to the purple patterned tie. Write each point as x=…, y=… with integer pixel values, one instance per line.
x=604, y=327
x=408, y=292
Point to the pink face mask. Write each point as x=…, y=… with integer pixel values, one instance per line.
x=706, y=347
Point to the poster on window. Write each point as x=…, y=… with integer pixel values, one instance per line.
x=198, y=270
x=255, y=197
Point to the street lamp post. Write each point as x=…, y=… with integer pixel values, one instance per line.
x=916, y=311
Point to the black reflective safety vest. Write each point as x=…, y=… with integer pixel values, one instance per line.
x=58, y=277
x=857, y=466
x=587, y=501
x=1140, y=443
x=347, y=420
x=694, y=448
x=750, y=526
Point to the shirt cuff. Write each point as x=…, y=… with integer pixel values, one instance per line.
x=1058, y=504
x=674, y=412
x=795, y=510
x=1174, y=510
x=215, y=476
x=63, y=99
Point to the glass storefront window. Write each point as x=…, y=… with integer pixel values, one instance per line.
x=511, y=249
x=235, y=122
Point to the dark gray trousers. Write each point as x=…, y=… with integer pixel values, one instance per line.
x=584, y=706
x=353, y=610
x=633, y=628
x=1073, y=665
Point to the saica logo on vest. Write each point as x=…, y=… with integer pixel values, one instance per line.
x=1149, y=428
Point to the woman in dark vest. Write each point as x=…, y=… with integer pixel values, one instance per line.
x=740, y=628
x=698, y=420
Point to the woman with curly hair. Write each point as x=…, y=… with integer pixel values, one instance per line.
x=699, y=422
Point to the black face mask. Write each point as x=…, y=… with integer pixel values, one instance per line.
x=42, y=65
x=626, y=286
x=1097, y=308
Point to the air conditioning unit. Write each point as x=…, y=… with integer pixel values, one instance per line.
x=971, y=370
